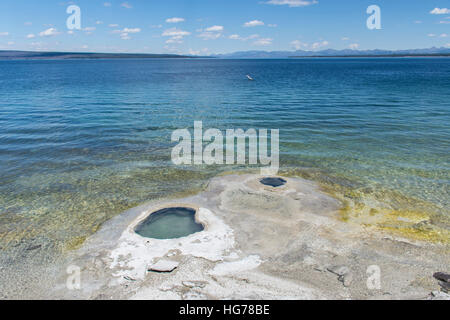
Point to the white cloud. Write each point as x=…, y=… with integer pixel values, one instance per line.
x=297, y=45
x=125, y=32
x=89, y=29
x=126, y=5
x=172, y=32
x=28, y=23
x=272, y=25
x=440, y=11
x=444, y=22
x=31, y=36
x=210, y=35
x=174, y=20
x=318, y=45
x=345, y=38
x=292, y=3
x=431, y=35
x=107, y=4
x=253, y=23
x=238, y=37
x=10, y=43
x=131, y=30
x=444, y=35
x=4, y=34
x=354, y=46
x=113, y=25
x=417, y=22
x=49, y=32
x=263, y=42
x=176, y=39
x=98, y=22
x=214, y=29
x=176, y=35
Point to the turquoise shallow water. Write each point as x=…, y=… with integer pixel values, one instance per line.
x=170, y=223
x=81, y=141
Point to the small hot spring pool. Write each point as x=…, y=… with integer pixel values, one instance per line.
x=273, y=182
x=169, y=223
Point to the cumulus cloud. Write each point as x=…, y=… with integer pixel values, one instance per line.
x=298, y=45
x=238, y=37
x=125, y=32
x=214, y=29
x=318, y=45
x=31, y=36
x=49, y=32
x=292, y=3
x=174, y=20
x=176, y=35
x=354, y=46
x=172, y=32
x=263, y=42
x=440, y=11
x=253, y=23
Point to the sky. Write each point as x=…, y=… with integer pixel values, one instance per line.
x=205, y=27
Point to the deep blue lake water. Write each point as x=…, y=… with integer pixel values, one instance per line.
x=81, y=141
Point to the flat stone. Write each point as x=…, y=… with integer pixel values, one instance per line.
x=438, y=295
x=164, y=266
x=346, y=279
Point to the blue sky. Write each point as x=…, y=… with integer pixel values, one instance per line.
x=213, y=26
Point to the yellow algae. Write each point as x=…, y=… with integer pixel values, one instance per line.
x=74, y=243
x=382, y=208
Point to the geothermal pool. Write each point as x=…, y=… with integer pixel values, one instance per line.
x=169, y=223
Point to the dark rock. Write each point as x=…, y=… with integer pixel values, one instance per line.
x=442, y=276
x=34, y=247
x=445, y=286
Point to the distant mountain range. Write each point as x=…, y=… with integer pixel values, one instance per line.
x=335, y=53
x=36, y=55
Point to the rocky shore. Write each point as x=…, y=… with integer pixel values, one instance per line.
x=259, y=242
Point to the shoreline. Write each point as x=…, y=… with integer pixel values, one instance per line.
x=281, y=242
